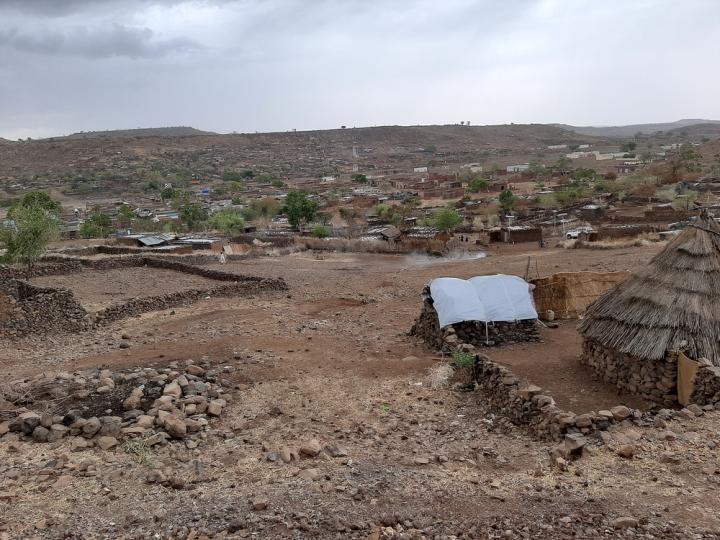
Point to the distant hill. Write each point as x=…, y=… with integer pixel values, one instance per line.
x=630, y=130
x=176, y=131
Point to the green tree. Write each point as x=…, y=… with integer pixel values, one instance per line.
x=563, y=165
x=229, y=220
x=193, y=215
x=446, y=219
x=38, y=199
x=359, y=178
x=99, y=225
x=628, y=146
x=125, y=215
x=383, y=211
x=321, y=231
x=507, y=201
x=232, y=176
x=33, y=228
x=168, y=193
x=477, y=184
x=299, y=209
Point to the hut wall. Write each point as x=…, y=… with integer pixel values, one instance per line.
x=654, y=380
x=707, y=384
x=427, y=327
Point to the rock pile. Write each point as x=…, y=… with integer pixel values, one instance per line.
x=101, y=407
x=475, y=333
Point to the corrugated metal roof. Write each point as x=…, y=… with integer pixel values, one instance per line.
x=151, y=240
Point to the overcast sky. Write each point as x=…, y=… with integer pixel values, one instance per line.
x=274, y=65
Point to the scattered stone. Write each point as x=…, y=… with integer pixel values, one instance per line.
x=259, y=504
x=106, y=443
x=626, y=451
x=175, y=427
x=311, y=448
x=309, y=474
x=620, y=412
x=624, y=522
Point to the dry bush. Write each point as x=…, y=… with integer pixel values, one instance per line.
x=438, y=376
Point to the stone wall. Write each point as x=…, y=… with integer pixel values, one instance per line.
x=427, y=327
x=41, y=310
x=529, y=406
x=28, y=309
x=138, y=306
x=707, y=384
x=654, y=380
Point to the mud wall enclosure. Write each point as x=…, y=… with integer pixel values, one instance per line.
x=29, y=309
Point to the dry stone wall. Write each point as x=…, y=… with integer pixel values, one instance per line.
x=707, y=384
x=28, y=309
x=654, y=380
x=478, y=334
x=34, y=309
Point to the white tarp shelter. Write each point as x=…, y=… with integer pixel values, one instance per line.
x=482, y=298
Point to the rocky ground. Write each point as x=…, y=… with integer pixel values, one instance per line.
x=336, y=424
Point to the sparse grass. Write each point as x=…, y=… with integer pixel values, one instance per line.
x=463, y=359
x=439, y=375
x=139, y=450
x=384, y=408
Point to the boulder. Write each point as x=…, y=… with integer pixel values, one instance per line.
x=106, y=443
x=175, y=427
x=311, y=448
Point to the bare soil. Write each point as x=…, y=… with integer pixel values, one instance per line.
x=98, y=289
x=333, y=360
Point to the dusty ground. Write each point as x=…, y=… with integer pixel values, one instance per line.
x=98, y=289
x=332, y=360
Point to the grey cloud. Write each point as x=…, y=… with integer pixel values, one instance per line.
x=61, y=8
x=117, y=41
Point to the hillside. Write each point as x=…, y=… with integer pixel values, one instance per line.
x=632, y=129
x=288, y=153
x=175, y=131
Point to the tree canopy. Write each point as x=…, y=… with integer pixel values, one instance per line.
x=25, y=242
x=37, y=199
x=507, y=200
x=446, y=219
x=478, y=183
x=193, y=215
x=299, y=209
x=97, y=226
x=229, y=220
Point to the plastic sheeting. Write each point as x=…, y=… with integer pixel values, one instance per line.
x=482, y=298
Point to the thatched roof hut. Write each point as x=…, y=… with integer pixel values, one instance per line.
x=672, y=304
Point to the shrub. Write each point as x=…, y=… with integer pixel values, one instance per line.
x=463, y=359
x=320, y=231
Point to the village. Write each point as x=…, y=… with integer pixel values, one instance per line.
x=410, y=345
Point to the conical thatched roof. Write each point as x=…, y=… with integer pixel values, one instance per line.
x=673, y=303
